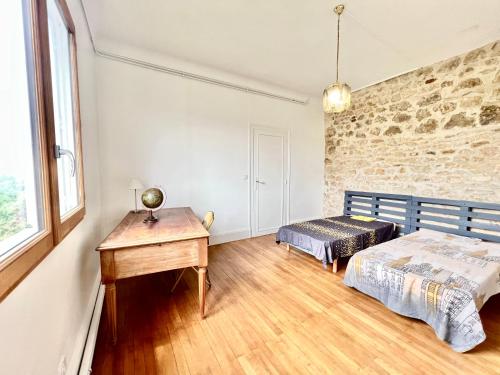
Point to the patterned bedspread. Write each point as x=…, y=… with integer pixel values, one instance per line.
x=335, y=237
x=439, y=278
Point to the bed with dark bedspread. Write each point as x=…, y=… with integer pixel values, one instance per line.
x=335, y=237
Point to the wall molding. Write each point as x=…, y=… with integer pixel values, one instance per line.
x=235, y=235
x=184, y=74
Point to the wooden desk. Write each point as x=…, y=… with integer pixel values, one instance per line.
x=177, y=240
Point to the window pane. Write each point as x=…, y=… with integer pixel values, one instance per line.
x=60, y=59
x=21, y=208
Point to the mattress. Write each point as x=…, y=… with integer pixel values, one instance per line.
x=440, y=278
x=334, y=237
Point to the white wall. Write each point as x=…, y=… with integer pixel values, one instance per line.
x=46, y=316
x=192, y=139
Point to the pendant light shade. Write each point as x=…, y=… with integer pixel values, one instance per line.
x=337, y=96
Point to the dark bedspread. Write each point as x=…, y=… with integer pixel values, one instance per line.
x=335, y=237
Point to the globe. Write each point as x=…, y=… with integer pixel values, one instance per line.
x=152, y=198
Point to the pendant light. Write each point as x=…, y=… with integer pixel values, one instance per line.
x=337, y=96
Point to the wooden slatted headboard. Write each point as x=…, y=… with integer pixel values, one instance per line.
x=409, y=213
x=465, y=218
x=389, y=207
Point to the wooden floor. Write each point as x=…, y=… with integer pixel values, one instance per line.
x=274, y=312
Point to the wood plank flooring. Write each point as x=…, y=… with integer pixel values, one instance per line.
x=270, y=311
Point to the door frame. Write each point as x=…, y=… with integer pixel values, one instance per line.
x=252, y=184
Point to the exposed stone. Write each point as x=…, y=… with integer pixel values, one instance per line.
x=495, y=49
x=487, y=71
x=489, y=151
x=395, y=98
x=489, y=114
x=497, y=77
x=481, y=143
x=439, y=150
x=330, y=132
x=393, y=130
x=401, y=117
x=471, y=102
x=427, y=100
x=449, y=65
x=474, y=55
x=459, y=120
x=465, y=71
x=424, y=71
x=401, y=106
x=468, y=83
x=427, y=127
x=447, y=107
x=422, y=113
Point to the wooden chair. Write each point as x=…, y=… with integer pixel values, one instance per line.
x=207, y=222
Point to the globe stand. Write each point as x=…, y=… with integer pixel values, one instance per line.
x=150, y=218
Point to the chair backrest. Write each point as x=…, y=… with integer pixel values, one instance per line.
x=208, y=220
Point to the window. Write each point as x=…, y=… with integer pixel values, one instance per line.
x=21, y=206
x=41, y=182
x=62, y=85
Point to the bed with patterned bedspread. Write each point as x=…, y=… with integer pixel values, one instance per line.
x=440, y=278
x=335, y=237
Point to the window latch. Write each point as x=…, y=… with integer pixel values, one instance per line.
x=58, y=152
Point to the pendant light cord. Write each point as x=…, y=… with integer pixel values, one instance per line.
x=338, y=45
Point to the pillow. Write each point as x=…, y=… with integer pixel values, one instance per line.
x=362, y=218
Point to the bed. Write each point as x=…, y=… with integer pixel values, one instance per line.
x=442, y=272
x=332, y=238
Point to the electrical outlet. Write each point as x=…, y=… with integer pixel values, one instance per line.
x=61, y=369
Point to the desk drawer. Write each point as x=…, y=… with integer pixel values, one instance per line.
x=151, y=259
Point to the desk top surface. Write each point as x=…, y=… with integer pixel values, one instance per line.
x=174, y=224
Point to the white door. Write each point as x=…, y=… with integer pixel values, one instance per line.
x=269, y=180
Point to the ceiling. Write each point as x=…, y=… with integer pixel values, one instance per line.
x=291, y=43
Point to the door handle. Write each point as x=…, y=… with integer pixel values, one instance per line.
x=260, y=182
x=61, y=152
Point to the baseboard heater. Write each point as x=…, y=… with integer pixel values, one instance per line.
x=88, y=351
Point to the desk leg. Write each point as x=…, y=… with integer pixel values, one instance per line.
x=202, y=289
x=111, y=309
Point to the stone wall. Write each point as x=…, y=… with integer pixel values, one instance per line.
x=432, y=132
